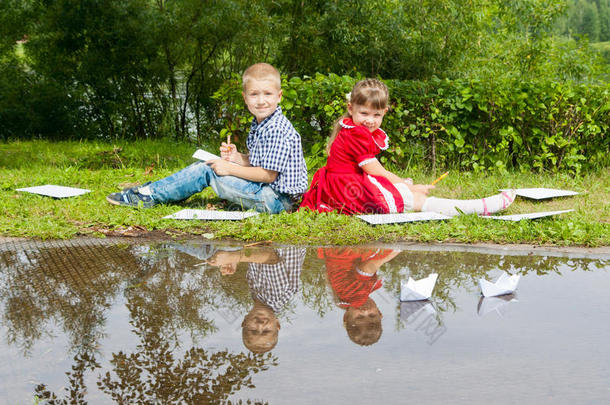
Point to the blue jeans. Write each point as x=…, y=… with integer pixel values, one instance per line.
x=244, y=194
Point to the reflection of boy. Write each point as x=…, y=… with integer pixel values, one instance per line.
x=352, y=274
x=273, y=277
x=271, y=177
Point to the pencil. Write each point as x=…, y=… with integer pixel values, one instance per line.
x=442, y=176
x=229, y=141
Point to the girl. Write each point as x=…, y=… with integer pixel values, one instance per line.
x=354, y=182
x=352, y=274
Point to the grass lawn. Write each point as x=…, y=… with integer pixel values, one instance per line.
x=105, y=168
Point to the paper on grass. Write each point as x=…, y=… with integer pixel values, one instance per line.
x=211, y=215
x=541, y=193
x=531, y=215
x=380, y=219
x=55, y=191
x=418, y=290
x=204, y=155
x=495, y=304
x=505, y=284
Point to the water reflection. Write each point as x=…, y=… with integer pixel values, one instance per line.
x=495, y=304
x=273, y=278
x=352, y=274
x=154, y=323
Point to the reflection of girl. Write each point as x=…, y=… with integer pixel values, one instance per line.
x=352, y=274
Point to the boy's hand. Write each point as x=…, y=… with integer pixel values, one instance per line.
x=227, y=261
x=221, y=167
x=421, y=188
x=228, y=151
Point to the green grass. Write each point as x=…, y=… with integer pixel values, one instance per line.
x=601, y=46
x=106, y=168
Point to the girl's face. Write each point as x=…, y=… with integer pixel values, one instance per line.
x=366, y=115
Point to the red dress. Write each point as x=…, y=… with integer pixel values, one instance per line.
x=342, y=185
x=351, y=287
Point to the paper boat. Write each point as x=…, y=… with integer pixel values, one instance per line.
x=418, y=290
x=495, y=304
x=505, y=284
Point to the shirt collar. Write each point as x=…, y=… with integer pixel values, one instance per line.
x=256, y=125
x=379, y=135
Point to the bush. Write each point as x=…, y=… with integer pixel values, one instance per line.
x=467, y=124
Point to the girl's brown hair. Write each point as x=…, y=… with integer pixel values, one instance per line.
x=371, y=92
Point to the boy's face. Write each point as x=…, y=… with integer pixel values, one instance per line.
x=260, y=329
x=262, y=97
x=366, y=115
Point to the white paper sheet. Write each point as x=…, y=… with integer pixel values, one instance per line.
x=380, y=219
x=211, y=215
x=531, y=215
x=505, y=284
x=55, y=191
x=541, y=193
x=418, y=290
x=204, y=155
x=495, y=304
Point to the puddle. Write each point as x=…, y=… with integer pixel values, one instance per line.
x=105, y=321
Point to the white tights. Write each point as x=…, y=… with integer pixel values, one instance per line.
x=449, y=207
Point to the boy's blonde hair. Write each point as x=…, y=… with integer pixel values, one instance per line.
x=261, y=71
x=254, y=341
x=371, y=92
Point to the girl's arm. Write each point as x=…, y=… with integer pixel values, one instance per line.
x=376, y=169
x=371, y=266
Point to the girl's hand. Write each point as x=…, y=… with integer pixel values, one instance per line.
x=228, y=151
x=422, y=188
x=409, y=181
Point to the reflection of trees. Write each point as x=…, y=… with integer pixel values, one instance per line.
x=76, y=379
x=70, y=285
x=153, y=375
x=166, y=293
x=316, y=291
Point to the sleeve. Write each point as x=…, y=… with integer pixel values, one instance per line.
x=274, y=151
x=361, y=146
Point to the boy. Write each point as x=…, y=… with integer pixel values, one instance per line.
x=271, y=178
x=273, y=278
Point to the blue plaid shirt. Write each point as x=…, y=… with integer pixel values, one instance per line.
x=275, y=284
x=274, y=144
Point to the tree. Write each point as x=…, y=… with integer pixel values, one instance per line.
x=590, y=25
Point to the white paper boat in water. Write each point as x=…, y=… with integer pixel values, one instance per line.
x=495, y=304
x=418, y=290
x=505, y=284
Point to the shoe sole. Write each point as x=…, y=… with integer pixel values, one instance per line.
x=112, y=201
